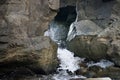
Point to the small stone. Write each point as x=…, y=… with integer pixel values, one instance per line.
x=98, y=79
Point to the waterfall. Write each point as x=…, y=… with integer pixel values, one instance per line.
x=67, y=63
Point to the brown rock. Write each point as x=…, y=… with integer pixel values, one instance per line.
x=40, y=55
x=54, y=4
x=112, y=72
x=87, y=47
x=22, y=26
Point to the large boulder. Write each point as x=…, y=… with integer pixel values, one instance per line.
x=40, y=56
x=85, y=43
x=22, y=26
x=87, y=47
x=24, y=20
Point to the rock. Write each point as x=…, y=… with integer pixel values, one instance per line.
x=64, y=3
x=112, y=36
x=22, y=26
x=39, y=77
x=87, y=27
x=118, y=0
x=112, y=32
x=103, y=44
x=103, y=13
x=114, y=52
x=54, y=4
x=40, y=56
x=87, y=47
x=16, y=74
x=112, y=72
x=84, y=27
x=22, y=20
x=98, y=79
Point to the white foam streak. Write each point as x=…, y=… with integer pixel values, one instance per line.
x=71, y=33
x=103, y=64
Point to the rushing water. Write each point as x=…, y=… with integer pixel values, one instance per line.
x=67, y=60
x=67, y=63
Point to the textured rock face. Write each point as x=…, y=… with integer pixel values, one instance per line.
x=64, y=3
x=112, y=35
x=103, y=13
x=105, y=16
x=83, y=27
x=87, y=27
x=22, y=25
x=112, y=72
x=87, y=47
x=23, y=20
x=85, y=44
x=40, y=56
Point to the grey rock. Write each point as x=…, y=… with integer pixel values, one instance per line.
x=54, y=4
x=112, y=32
x=87, y=27
x=102, y=13
x=22, y=26
x=83, y=27
x=87, y=47
x=112, y=36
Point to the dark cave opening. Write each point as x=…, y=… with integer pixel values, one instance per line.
x=66, y=14
x=107, y=0
x=59, y=26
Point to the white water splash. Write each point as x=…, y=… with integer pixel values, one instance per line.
x=67, y=63
x=103, y=64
